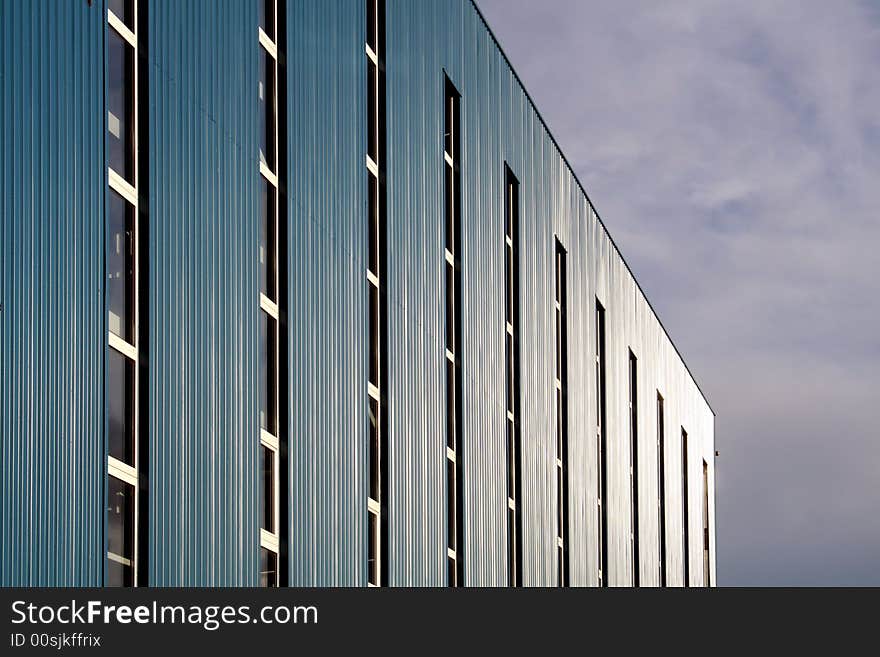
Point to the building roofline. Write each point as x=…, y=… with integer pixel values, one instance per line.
x=589, y=201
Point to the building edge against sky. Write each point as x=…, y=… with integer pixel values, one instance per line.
x=486, y=251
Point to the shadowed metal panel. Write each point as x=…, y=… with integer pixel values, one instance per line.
x=327, y=247
x=204, y=294
x=52, y=181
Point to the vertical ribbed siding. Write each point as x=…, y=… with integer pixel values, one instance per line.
x=204, y=296
x=204, y=311
x=51, y=272
x=498, y=124
x=327, y=248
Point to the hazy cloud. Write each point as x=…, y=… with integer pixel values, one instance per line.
x=733, y=151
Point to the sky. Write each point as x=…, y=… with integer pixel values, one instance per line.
x=732, y=150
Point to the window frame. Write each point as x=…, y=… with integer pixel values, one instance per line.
x=633, y=404
x=512, y=392
x=116, y=183
x=271, y=540
x=451, y=281
x=376, y=316
x=560, y=392
x=601, y=440
x=685, y=507
x=661, y=488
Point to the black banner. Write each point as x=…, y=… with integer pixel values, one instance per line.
x=374, y=621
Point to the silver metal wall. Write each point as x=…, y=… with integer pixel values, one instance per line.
x=328, y=251
x=499, y=124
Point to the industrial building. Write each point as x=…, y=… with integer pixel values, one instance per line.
x=305, y=293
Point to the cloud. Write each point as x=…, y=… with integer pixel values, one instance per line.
x=733, y=151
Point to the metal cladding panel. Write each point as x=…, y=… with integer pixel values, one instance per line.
x=499, y=124
x=51, y=271
x=202, y=355
x=327, y=252
x=204, y=307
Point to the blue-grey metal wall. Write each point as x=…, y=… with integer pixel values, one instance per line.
x=203, y=353
x=52, y=185
x=327, y=198
x=204, y=297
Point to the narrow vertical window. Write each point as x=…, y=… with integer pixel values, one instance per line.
x=511, y=341
x=707, y=571
x=270, y=408
x=634, y=465
x=661, y=486
x=601, y=451
x=376, y=314
x=122, y=294
x=685, y=503
x=561, y=394
x=452, y=268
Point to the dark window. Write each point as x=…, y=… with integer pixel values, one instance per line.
x=451, y=405
x=560, y=503
x=120, y=532
x=449, y=207
x=377, y=571
x=453, y=332
x=512, y=570
x=601, y=439
x=375, y=451
x=373, y=556
x=267, y=500
x=373, y=293
x=268, y=243
x=266, y=11
x=560, y=425
x=120, y=406
x=267, y=109
x=373, y=223
x=450, y=308
x=508, y=277
x=119, y=574
x=372, y=113
x=268, y=365
x=451, y=504
x=560, y=567
x=450, y=571
x=634, y=463
x=685, y=503
x=450, y=121
x=268, y=568
x=124, y=11
x=559, y=341
x=511, y=459
x=510, y=373
x=120, y=268
x=514, y=547
x=120, y=106
x=372, y=25
x=707, y=572
x=661, y=484
x=561, y=416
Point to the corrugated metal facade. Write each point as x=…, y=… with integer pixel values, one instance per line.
x=52, y=338
x=204, y=294
x=204, y=309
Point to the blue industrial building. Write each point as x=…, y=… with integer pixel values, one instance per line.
x=304, y=292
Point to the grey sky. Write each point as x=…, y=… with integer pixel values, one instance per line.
x=733, y=151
